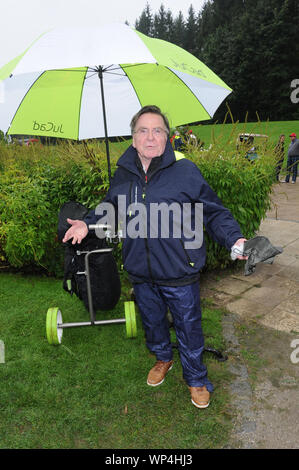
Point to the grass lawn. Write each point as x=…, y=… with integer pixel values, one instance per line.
x=90, y=391
x=225, y=135
x=207, y=133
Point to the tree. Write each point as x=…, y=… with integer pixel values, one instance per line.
x=169, y=26
x=250, y=51
x=206, y=25
x=178, y=33
x=145, y=22
x=160, y=24
x=191, y=29
x=251, y=44
x=225, y=10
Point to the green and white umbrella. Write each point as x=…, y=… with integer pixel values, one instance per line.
x=88, y=83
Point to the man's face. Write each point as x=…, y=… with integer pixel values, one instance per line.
x=150, y=136
x=293, y=138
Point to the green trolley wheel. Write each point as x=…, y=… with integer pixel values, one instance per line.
x=54, y=331
x=130, y=315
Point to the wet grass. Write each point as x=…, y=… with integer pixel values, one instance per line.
x=90, y=391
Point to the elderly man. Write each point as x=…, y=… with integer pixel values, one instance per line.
x=163, y=271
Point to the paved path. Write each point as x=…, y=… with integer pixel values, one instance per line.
x=270, y=295
x=266, y=412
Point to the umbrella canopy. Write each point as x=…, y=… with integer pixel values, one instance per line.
x=88, y=83
x=55, y=89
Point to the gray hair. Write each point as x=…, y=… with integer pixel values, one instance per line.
x=149, y=109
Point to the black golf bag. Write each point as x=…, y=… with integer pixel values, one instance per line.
x=104, y=277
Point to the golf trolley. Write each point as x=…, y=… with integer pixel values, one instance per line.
x=54, y=321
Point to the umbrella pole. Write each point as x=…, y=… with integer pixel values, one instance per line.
x=100, y=74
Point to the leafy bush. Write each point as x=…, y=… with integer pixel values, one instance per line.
x=244, y=188
x=35, y=182
x=27, y=222
x=33, y=185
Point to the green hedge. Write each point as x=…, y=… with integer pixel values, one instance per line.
x=243, y=187
x=35, y=181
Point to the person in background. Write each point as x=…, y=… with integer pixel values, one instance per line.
x=293, y=159
x=190, y=138
x=176, y=140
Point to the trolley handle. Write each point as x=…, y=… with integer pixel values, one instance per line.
x=96, y=226
x=109, y=235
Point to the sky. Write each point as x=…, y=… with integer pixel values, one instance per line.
x=22, y=21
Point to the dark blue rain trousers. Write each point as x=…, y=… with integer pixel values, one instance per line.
x=184, y=305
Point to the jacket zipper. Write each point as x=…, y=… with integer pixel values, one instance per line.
x=186, y=254
x=146, y=240
x=130, y=193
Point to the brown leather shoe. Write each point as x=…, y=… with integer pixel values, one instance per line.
x=200, y=396
x=157, y=374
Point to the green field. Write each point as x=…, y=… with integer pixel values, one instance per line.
x=226, y=134
x=209, y=133
x=91, y=391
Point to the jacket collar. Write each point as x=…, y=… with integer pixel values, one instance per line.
x=128, y=158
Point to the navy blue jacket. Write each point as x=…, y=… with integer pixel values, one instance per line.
x=166, y=261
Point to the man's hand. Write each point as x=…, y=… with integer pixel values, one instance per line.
x=238, y=247
x=77, y=231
